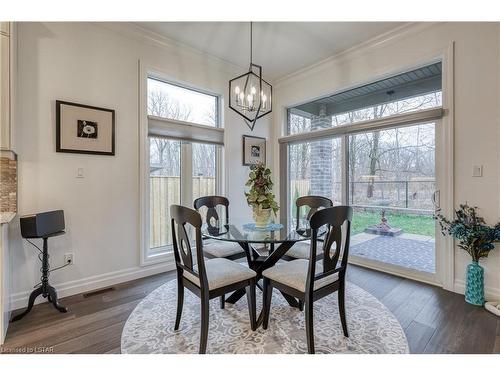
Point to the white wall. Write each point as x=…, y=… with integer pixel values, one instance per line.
x=476, y=103
x=97, y=65
x=5, y=276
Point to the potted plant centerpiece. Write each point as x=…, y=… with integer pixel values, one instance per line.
x=260, y=197
x=475, y=237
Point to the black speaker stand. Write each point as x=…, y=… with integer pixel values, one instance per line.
x=45, y=289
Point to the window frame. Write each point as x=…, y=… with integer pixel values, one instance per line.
x=154, y=75
x=443, y=118
x=164, y=254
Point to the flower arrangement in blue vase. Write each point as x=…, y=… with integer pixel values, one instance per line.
x=475, y=237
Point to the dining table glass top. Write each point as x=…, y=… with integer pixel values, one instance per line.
x=241, y=231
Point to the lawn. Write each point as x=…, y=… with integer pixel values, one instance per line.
x=416, y=224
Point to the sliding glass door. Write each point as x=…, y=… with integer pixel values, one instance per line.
x=391, y=186
x=375, y=148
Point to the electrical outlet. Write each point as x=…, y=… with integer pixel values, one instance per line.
x=80, y=173
x=69, y=258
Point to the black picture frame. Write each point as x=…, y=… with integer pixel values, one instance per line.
x=59, y=103
x=247, y=141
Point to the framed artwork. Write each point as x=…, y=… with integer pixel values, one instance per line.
x=84, y=129
x=254, y=150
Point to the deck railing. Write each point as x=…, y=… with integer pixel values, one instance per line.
x=404, y=194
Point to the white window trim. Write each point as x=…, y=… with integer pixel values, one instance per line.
x=209, y=134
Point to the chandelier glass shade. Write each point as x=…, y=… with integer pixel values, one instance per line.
x=249, y=94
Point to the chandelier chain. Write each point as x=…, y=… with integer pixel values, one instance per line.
x=251, y=43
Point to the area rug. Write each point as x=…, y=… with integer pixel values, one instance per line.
x=372, y=327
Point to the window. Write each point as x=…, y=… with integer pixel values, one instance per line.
x=409, y=92
x=307, y=174
x=173, y=102
x=374, y=148
x=184, y=149
x=204, y=169
x=164, y=189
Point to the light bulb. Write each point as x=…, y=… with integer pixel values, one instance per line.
x=253, y=90
x=242, y=97
x=237, y=90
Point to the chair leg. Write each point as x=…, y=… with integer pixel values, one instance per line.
x=309, y=325
x=250, y=290
x=180, y=302
x=342, y=308
x=222, y=301
x=301, y=305
x=205, y=303
x=268, y=293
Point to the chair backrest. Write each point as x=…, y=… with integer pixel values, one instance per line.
x=337, y=221
x=211, y=202
x=314, y=202
x=181, y=217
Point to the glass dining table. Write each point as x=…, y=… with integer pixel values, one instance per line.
x=263, y=247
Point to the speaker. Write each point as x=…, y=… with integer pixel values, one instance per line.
x=43, y=224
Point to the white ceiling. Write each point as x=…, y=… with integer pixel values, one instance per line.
x=280, y=47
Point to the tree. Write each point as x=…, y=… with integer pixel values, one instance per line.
x=166, y=152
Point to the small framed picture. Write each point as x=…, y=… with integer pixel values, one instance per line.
x=254, y=150
x=84, y=129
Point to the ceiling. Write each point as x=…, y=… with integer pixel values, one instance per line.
x=280, y=47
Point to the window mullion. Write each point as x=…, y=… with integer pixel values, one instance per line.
x=186, y=174
x=345, y=169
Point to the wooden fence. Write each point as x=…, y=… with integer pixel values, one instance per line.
x=165, y=191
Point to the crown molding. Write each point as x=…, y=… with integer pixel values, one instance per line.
x=134, y=31
x=376, y=42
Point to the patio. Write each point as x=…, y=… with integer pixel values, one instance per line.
x=407, y=250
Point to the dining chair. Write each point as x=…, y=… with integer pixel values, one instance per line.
x=310, y=280
x=207, y=279
x=217, y=249
x=311, y=204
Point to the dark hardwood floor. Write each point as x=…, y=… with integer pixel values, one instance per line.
x=435, y=321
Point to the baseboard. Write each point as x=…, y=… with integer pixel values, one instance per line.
x=20, y=300
x=491, y=294
x=394, y=270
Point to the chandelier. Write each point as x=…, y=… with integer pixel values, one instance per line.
x=249, y=95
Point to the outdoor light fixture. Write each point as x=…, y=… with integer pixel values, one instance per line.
x=249, y=95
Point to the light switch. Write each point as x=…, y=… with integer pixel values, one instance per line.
x=79, y=173
x=477, y=171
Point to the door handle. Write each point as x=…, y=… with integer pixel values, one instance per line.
x=436, y=200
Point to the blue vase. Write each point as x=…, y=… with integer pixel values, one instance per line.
x=474, y=284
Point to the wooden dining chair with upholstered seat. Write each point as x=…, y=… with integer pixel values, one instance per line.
x=310, y=280
x=217, y=249
x=310, y=204
x=207, y=279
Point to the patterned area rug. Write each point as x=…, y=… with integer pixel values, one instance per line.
x=372, y=327
x=409, y=253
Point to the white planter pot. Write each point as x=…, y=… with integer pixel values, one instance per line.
x=262, y=216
